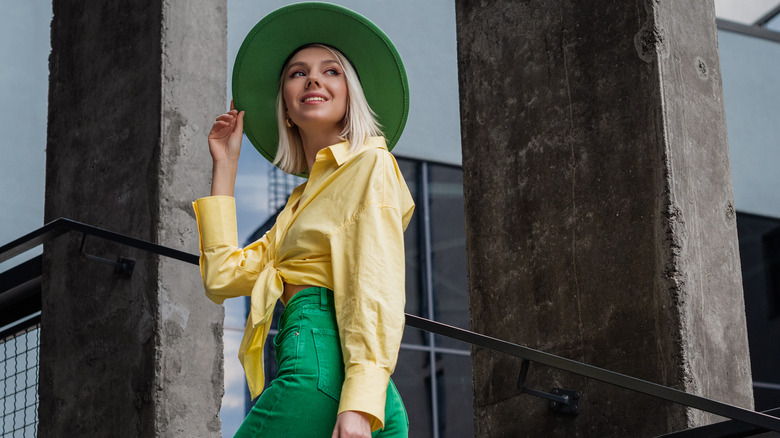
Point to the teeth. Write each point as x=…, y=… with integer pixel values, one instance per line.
x=310, y=99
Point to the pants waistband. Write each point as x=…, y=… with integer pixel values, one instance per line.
x=311, y=295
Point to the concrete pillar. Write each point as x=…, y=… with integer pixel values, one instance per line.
x=134, y=86
x=599, y=210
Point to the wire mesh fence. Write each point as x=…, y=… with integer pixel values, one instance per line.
x=19, y=382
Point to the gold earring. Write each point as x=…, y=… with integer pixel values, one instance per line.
x=288, y=121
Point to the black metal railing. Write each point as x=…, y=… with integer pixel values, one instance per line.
x=19, y=381
x=747, y=421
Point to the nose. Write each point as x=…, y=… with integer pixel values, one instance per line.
x=313, y=80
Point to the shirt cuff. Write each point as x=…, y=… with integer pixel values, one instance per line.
x=365, y=390
x=216, y=217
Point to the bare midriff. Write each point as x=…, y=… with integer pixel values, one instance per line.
x=290, y=290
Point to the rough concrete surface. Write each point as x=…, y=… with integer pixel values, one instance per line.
x=133, y=86
x=599, y=213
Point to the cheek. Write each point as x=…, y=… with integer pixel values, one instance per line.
x=288, y=94
x=342, y=91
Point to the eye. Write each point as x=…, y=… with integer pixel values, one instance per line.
x=332, y=72
x=297, y=74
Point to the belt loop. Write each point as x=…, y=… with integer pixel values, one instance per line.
x=323, y=298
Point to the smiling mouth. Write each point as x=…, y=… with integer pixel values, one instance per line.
x=314, y=99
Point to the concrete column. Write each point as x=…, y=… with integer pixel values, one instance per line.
x=134, y=86
x=599, y=210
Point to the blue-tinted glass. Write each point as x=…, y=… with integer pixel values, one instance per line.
x=24, y=56
x=759, y=251
x=235, y=313
x=774, y=23
x=751, y=92
x=448, y=241
x=412, y=378
x=456, y=398
x=234, y=401
x=416, y=304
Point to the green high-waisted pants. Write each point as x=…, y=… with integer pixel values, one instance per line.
x=303, y=400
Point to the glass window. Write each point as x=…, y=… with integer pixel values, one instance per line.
x=436, y=273
x=759, y=249
x=24, y=86
x=435, y=260
x=455, y=396
x=774, y=23
x=415, y=304
x=448, y=249
x=412, y=378
x=751, y=92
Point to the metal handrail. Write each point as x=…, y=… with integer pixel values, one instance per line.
x=63, y=225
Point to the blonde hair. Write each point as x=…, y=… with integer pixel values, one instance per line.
x=359, y=123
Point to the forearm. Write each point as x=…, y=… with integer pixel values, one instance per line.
x=225, y=148
x=223, y=178
x=227, y=270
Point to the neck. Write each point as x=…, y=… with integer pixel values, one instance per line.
x=317, y=140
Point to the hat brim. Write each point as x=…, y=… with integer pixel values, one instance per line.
x=269, y=44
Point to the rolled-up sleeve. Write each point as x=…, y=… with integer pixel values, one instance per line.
x=227, y=270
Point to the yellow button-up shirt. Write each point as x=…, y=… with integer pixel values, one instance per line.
x=343, y=230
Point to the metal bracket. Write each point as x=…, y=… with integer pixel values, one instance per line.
x=122, y=266
x=561, y=400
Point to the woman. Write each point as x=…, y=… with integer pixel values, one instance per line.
x=335, y=255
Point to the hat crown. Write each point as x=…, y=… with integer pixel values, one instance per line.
x=279, y=34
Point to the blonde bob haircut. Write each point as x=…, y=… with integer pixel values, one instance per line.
x=359, y=123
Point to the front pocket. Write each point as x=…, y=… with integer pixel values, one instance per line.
x=330, y=364
x=286, y=345
x=285, y=334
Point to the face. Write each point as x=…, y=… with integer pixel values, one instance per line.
x=315, y=90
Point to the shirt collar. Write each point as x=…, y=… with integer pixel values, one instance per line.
x=341, y=154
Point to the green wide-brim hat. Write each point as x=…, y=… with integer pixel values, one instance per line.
x=271, y=42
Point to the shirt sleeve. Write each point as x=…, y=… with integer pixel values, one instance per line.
x=368, y=283
x=227, y=270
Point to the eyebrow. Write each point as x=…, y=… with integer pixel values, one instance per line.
x=301, y=63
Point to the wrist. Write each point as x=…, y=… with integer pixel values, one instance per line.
x=225, y=166
x=223, y=178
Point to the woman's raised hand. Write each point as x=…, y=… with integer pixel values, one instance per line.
x=225, y=147
x=225, y=135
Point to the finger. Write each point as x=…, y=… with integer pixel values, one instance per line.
x=232, y=106
x=227, y=118
x=219, y=127
x=240, y=122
